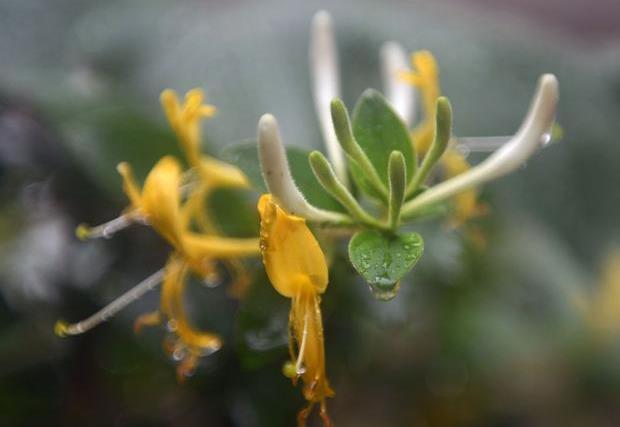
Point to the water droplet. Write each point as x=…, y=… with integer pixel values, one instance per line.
x=300, y=371
x=179, y=353
x=384, y=289
x=410, y=257
x=171, y=325
x=212, y=279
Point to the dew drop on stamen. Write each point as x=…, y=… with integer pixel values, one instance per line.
x=171, y=325
x=212, y=280
x=299, y=371
x=179, y=353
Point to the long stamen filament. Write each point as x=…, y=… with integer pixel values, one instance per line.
x=299, y=368
x=488, y=144
x=105, y=230
x=63, y=329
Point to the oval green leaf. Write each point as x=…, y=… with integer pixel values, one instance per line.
x=379, y=131
x=383, y=259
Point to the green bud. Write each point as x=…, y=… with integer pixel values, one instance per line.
x=397, y=172
x=344, y=133
x=443, y=133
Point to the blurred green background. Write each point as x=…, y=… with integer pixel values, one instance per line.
x=493, y=334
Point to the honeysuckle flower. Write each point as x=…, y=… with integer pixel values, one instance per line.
x=179, y=216
x=425, y=77
x=536, y=125
x=159, y=203
x=211, y=174
x=278, y=178
x=185, y=119
x=297, y=269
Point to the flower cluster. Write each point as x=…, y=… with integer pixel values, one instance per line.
x=171, y=201
x=381, y=174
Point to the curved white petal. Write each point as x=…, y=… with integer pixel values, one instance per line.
x=277, y=175
x=325, y=75
x=397, y=92
x=510, y=156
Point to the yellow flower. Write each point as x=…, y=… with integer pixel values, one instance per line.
x=174, y=203
x=601, y=309
x=185, y=119
x=297, y=269
x=425, y=77
x=159, y=204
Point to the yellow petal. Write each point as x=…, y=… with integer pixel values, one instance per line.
x=203, y=246
x=130, y=187
x=221, y=174
x=605, y=306
x=172, y=306
x=185, y=120
x=171, y=106
x=293, y=258
x=161, y=198
x=466, y=205
x=306, y=319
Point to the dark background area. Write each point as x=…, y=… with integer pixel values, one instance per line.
x=493, y=335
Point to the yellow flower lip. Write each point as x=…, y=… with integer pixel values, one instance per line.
x=297, y=270
x=292, y=256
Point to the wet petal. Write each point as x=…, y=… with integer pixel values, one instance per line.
x=292, y=256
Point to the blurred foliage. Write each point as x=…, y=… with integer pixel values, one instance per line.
x=485, y=331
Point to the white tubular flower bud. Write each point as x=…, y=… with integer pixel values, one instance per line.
x=510, y=156
x=397, y=92
x=278, y=178
x=325, y=75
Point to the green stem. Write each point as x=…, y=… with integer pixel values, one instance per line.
x=326, y=176
x=443, y=131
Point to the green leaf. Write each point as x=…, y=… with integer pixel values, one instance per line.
x=234, y=212
x=379, y=131
x=245, y=156
x=103, y=137
x=383, y=259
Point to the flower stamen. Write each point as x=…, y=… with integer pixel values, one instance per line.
x=63, y=329
x=105, y=230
